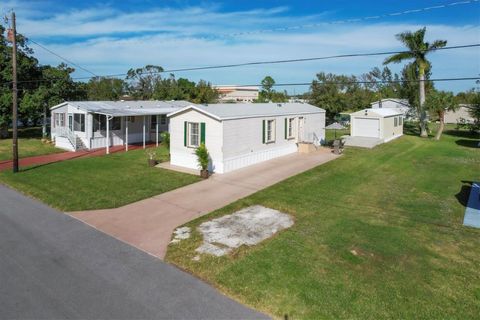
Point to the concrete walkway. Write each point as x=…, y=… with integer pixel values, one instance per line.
x=148, y=224
x=63, y=156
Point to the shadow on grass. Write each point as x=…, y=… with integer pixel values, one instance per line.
x=464, y=193
x=468, y=143
x=411, y=129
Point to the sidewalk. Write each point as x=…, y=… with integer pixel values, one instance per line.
x=148, y=224
x=63, y=156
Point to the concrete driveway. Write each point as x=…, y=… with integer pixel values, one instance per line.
x=148, y=224
x=55, y=267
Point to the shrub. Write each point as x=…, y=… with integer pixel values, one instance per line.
x=203, y=157
x=166, y=139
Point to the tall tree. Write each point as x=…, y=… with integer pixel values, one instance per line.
x=101, y=88
x=417, y=51
x=27, y=68
x=142, y=81
x=204, y=93
x=268, y=94
x=437, y=103
x=474, y=111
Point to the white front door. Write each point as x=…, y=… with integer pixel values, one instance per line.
x=301, y=129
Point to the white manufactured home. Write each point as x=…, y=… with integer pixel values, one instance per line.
x=239, y=135
x=79, y=125
x=381, y=124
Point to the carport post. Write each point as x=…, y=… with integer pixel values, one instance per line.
x=108, y=134
x=156, y=130
x=143, y=132
x=126, y=133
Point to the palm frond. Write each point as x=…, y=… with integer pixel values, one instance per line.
x=399, y=57
x=437, y=44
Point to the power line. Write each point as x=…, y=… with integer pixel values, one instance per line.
x=359, y=82
x=255, y=63
x=59, y=56
x=352, y=20
x=296, y=84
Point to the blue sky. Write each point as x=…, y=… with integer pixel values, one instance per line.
x=109, y=37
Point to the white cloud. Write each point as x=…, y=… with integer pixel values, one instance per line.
x=108, y=41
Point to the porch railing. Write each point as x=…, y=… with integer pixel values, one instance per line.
x=65, y=132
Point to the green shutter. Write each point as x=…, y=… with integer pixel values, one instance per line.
x=185, y=133
x=202, y=132
x=263, y=132
x=286, y=128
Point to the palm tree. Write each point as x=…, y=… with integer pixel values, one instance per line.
x=417, y=51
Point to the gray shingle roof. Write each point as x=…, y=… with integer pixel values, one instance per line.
x=225, y=111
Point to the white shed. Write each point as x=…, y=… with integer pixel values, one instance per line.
x=382, y=124
x=239, y=135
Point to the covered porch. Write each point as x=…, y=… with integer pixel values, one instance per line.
x=115, y=129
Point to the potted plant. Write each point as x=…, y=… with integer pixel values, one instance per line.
x=152, y=162
x=203, y=158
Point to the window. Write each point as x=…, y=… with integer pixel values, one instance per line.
x=395, y=121
x=79, y=122
x=400, y=121
x=291, y=130
x=270, y=131
x=153, y=122
x=59, y=119
x=163, y=119
x=99, y=123
x=116, y=123
x=193, y=134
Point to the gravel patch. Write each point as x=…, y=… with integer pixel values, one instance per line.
x=181, y=234
x=248, y=226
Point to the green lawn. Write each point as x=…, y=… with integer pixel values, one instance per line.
x=99, y=182
x=29, y=145
x=378, y=234
x=330, y=134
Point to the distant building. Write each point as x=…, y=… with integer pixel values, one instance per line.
x=237, y=94
x=459, y=116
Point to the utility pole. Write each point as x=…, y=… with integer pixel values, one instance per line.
x=13, y=38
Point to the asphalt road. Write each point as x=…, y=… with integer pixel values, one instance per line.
x=53, y=266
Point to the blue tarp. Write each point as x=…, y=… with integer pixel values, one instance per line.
x=472, y=212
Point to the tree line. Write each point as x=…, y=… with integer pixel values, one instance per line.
x=42, y=86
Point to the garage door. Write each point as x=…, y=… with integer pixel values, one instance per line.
x=366, y=127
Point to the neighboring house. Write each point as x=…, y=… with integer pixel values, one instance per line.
x=381, y=124
x=237, y=94
x=77, y=125
x=458, y=116
x=239, y=135
x=400, y=105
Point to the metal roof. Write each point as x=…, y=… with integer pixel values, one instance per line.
x=127, y=108
x=383, y=112
x=226, y=111
x=335, y=126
